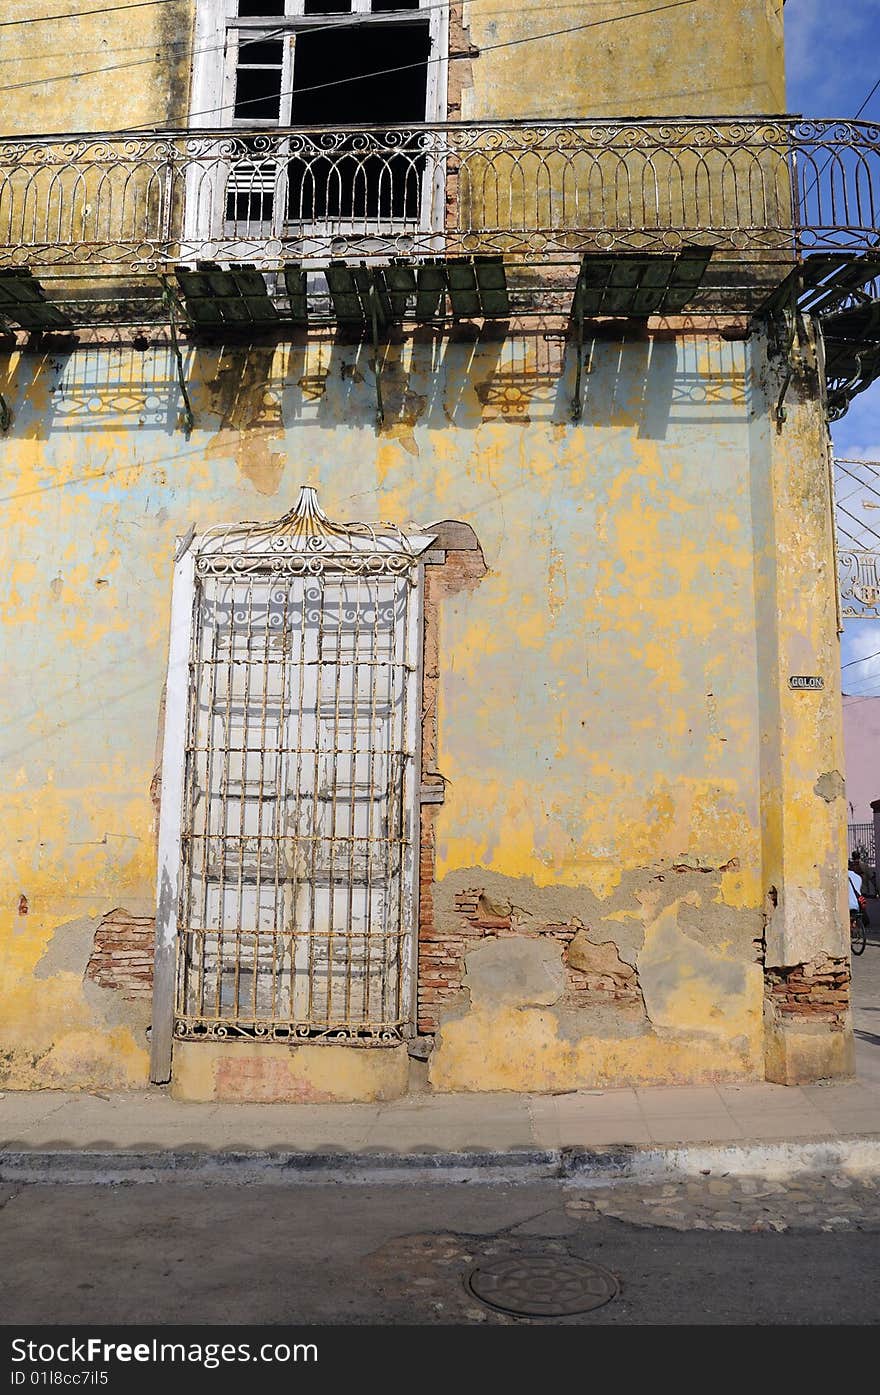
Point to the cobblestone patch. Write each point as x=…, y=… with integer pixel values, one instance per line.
x=829, y=1202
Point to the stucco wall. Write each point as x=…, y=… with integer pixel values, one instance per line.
x=721, y=58
x=717, y=59
x=106, y=71
x=607, y=692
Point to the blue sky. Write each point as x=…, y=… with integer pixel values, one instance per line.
x=833, y=58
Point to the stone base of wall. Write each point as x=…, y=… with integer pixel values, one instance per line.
x=592, y=971
x=518, y=1025
x=817, y=991
x=801, y=1053
x=807, y=1027
x=270, y=1072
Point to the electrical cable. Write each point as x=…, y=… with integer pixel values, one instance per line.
x=250, y=21
x=861, y=661
x=82, y=14
x=383, y=72
x=143, y=4
x=406, y=67
x=405, y=16
x=260, y=35
x=820, y=172
x=864, y=687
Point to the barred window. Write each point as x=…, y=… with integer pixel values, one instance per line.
x=294, y=730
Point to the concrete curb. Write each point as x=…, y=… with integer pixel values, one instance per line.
x=859, y=1154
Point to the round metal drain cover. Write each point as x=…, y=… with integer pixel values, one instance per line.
x=542, y=1285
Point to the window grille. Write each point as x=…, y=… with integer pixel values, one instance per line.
x=297, y=895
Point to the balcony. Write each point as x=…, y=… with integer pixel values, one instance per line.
x=267, y=229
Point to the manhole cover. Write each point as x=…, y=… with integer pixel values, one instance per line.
x=542, y=1285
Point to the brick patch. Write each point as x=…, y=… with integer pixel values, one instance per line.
x=816, y=991
x=442, y=955
x=122, y=957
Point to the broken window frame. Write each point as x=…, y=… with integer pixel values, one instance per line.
x=212, y=104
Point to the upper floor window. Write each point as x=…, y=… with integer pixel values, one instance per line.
x=318, y=62
x=264, y=65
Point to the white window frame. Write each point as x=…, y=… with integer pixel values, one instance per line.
x=212, y=93
x=212, y=98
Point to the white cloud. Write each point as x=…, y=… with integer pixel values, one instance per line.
x=858, y=433
x=831, y=55
x=861, y=641
x=803, y=28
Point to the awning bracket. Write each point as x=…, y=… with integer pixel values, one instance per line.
x=169, y=300
x=790, y=319
x=373, y=299
x=576, y=405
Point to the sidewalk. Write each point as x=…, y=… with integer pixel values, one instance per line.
x=615, y=1132
x=608, y=1132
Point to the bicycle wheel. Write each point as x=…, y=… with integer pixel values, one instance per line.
x=858, y=934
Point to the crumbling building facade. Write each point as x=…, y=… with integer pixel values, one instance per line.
x=421, y=620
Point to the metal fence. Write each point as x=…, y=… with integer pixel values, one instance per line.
x=760, y=189
x=861, y=835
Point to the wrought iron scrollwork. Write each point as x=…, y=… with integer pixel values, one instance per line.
x=523, y=188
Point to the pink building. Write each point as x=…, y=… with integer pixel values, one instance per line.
x=861, y=737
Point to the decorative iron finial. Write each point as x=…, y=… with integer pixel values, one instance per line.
x=306, y=531
x=308, y=523
x=307, y=507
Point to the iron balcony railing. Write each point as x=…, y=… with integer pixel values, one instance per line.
x=760, y=192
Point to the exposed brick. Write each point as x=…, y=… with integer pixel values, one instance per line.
x=817, y=989
x=122, y=957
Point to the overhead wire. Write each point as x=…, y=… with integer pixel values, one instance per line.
x=860, y=111
x=382, y=72
x=861, y=661
x=82, y=14
x=430, y=62
x=266, y=32
x=144, y=4
x=861, y=686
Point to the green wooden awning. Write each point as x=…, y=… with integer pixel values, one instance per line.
x=23, y=303
x=239, y=298
x=634, y=285
x=233, y=299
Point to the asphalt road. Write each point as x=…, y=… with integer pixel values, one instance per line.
x=175, y=1253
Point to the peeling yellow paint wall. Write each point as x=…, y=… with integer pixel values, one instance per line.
x=608, y=693
x=276, y=1073
x=803, y=808
x=624, y=760
x=621, y=58
x=130, y=67
x=120, y=67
